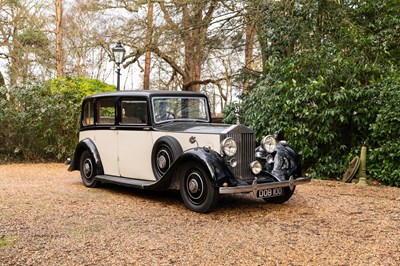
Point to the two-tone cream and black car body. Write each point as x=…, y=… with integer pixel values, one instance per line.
x=163, y=140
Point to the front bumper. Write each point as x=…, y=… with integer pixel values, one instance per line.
x=254, y=187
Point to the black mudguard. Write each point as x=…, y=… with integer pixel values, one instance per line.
x=287, y=163
x=86, y=144
x=212, y=162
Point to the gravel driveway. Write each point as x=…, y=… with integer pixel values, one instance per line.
x=47, y=217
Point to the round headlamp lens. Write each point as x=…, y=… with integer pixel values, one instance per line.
x=255, y=167
x=229, y=146
x=269, y=144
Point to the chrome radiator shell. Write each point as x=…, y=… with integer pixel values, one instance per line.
x=246, y=144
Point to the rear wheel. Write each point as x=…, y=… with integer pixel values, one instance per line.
x=196, y=189
x=165, y=151
x=281, y=199
x=88, y=169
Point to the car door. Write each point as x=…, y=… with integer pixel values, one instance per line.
x=105, y=136
x=134, y=139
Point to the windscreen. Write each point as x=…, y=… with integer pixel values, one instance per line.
x=180, y=108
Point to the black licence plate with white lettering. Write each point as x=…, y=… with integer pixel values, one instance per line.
x=269, y=192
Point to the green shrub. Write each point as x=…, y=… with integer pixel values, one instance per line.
x=326, y=80
x=384, y=157
x=40, y=121
x=79, y=86
x=328, y=125
x=324, y=125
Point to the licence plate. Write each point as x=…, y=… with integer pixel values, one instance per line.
x=270, y=192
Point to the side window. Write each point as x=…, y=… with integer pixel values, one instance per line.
x=133, y=112
x=106, y=111
x=88, y=114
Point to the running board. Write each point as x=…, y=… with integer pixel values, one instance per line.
x=142, y=184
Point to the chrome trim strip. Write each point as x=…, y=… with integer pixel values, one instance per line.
x=226, y=131
x=291, y=183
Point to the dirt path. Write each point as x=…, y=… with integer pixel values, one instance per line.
x=47, y=217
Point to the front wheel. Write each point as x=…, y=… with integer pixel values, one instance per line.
x=196, y=189
x=281, y=199
x=88, y=169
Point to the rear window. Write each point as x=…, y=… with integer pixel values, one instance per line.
x=106, y=111
x=88, y=114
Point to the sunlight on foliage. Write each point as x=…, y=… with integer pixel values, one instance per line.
x=41, y=121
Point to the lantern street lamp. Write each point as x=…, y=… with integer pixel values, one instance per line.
x=119, y=53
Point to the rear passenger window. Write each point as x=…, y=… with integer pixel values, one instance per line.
x=88, y=114
x=106, y=111
x=133, y=112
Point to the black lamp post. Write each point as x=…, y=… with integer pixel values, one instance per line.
x=119, y=53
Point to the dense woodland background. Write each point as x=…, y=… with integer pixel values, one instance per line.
x=323, y=73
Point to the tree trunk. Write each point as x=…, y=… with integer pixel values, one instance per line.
x=193, y=31
x=2, y=82
x=249, y=48
x=59, y=39
x=149, y=33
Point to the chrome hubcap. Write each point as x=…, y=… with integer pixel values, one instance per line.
x=87, y=168
x=161, y=161
x=193, y=186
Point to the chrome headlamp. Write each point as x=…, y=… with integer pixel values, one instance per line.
x=268, y=143
x=229, y=146
x=255, y=167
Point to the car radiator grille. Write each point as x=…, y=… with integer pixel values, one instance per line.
x=245, y=154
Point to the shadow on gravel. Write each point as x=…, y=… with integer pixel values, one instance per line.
x=170, y=196
x=226, y=203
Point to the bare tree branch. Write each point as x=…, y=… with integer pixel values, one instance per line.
x=204, y=82
x=167, y=16
x=169, y=60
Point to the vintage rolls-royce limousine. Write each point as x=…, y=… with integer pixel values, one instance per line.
x=163, y=140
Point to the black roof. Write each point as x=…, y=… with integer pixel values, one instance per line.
x=145, y=93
